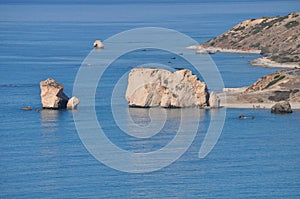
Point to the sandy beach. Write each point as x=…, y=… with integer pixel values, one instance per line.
x=265, y=62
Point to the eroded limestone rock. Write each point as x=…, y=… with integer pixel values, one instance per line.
x=52, y=94
x=214, y=101
x=73, y=103
x=149, y=87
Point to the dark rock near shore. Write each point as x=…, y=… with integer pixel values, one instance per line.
x=281, y=107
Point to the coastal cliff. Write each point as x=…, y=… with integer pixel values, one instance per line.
x=276, y=38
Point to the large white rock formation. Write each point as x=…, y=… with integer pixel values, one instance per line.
x=149, y=87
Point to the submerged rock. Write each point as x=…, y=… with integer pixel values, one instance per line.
x=27, y=108
x=73, y=103
x=149, y=87
x=281, y=107
x=242, y=117
x=52, y=94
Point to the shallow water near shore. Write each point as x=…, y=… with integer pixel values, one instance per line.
x=42, y=155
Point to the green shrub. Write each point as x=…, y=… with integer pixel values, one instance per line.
x=276, y=76
x=291, y=24
x=255, y=45
x=240, y=28
x=275, y=81
x=274, y=57
x=286, y=59
x=256, y=30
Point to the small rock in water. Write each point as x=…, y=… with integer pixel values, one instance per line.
x=73, y=103
x=281, y=107
x=27, y=108
x=214, y=100
x=98, y=44
x=246, y=117
x=241, y=116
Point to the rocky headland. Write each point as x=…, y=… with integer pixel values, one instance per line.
x=151, y=87
x=276, y=38
x=280, y=86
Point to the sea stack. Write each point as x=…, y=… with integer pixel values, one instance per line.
x=52, y=94
x=53, y=97
x=150, y=87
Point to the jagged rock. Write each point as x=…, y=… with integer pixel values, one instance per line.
x=148, y=87
x=73, y=103
x=52, y=94
x=281, y=107
x=214, y=100
x=98, y=44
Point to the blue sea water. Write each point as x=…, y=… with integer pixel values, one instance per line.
x=42, y=155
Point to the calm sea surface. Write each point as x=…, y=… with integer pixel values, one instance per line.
x=41, y=153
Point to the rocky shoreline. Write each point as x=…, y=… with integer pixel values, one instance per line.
x=265, y=62
x=277, y=87
x=228, y=99
x=276, y=38
x=211, y=50
x=261, y=62
x=151, y=87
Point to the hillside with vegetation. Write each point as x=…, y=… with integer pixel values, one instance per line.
x=277, y=38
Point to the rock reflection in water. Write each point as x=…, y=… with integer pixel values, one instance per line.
x=49, y=120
